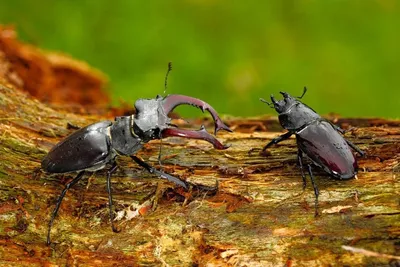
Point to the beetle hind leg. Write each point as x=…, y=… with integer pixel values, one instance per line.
x=110, y=200
x=60, y=199
x=316, y=191
x=353, y=146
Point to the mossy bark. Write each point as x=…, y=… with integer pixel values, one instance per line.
x=259, y=217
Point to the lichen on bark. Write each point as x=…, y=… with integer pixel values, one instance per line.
x=260, y=215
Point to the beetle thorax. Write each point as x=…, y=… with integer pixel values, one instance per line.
x=150, y=119
x=296, y=116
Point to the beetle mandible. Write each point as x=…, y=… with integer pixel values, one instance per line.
x=317, y=138
x=97, y=145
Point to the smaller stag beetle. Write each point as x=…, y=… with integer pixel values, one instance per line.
x=93, y=147
x=317, y=138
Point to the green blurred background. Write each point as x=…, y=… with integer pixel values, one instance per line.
x=230, y=53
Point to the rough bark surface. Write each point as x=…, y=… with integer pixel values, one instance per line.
x=259, y=217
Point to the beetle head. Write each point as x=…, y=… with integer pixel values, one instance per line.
x=283, y=105
x=286, y=103
x=293, y=114
x=152, y=121
x=150, y=118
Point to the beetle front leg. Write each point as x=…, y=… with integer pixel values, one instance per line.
x=172, y=101
x=110, y=201
x=171, y=178
x=60, y=199
x=161, y=174
x=277, y=140
x=199, y=134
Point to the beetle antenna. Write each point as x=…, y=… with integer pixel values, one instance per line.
x=266, y=102
x=166, y=76
x=304, y=92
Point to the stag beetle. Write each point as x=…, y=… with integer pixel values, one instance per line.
x=317, y=138
x=93, y=147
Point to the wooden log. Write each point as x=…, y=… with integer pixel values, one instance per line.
x=259, y=217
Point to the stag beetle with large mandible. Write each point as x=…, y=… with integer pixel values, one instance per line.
x=317, y=138
x=95, y=146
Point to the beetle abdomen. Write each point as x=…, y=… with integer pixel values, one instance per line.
x=327, y=149
x=87, y=148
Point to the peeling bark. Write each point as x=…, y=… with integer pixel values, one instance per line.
x=260, y=216
x=49, y=76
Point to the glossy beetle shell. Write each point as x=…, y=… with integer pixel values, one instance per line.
x=87, y=148
x=327, y=149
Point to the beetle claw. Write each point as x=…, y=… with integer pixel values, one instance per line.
x=210, y=189
x=170, y=102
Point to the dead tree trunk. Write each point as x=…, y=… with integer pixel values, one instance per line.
x=260, y=215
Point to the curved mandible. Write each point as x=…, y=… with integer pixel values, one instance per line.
x=172, y=101
x=191, y=134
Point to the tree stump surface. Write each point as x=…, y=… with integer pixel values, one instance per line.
x=260, y=215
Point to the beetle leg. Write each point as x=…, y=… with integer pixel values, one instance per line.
x=60, y=198
x=199, y=134
x=213, y=189
x=337, y=128
x=161, y=174
x=300, y=159
x=316, y=191
x=171, y=178
x=277, y=140
x=159, y=154
x=340, y=130
x=72, y=126
x=172, y=101
x=110, y=201
x=353, y=146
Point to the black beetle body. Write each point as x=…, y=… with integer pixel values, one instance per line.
x=317, y=138
x=92, y=147
x=95, y=146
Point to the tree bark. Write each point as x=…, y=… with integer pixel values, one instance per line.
x=260, y=215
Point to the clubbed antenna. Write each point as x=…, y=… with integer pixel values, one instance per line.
x=166, y=76
x=271, y=105
x=304, y=92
